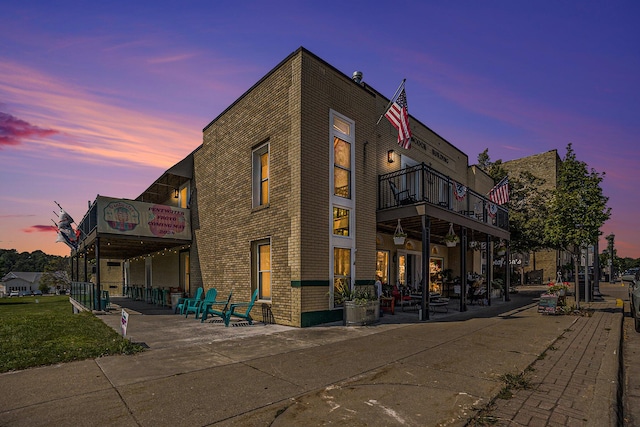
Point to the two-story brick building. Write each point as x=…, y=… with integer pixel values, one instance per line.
x=296, y=190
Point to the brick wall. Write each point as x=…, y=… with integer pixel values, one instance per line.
x=545, y=166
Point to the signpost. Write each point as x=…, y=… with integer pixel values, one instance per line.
x=123, y=324
x=548, y=304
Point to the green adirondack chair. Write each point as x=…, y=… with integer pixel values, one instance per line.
x=209, y=309
x=241, y=310
x=185, y=302
x=196, y=308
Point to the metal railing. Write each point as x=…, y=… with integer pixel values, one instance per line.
x=423, y=184
x=85, y=293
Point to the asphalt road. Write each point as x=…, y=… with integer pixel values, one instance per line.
x=630, y=356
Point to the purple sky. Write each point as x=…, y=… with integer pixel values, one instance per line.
x=102, y=98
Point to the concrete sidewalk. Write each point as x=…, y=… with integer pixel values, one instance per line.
x=442, y=372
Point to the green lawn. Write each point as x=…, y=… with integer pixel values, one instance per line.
x=43, y=330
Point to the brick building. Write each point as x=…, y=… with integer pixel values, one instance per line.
x=296, y=190
x=540, y=266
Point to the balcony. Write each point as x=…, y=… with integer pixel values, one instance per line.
x=123, y=228
x=410, y=189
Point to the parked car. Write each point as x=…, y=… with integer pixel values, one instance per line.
x=14, y=294
x=37, y=292
x=25, y=293
x=633, y=280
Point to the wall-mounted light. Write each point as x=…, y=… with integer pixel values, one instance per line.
x=390, y=156
x=176, y=194
x=434, y=250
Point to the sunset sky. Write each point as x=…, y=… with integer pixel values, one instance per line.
x=102, y=98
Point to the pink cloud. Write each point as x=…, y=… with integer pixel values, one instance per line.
x=40, y=229
x=93, y=129
x=13, y=131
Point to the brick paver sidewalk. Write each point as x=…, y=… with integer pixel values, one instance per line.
x=571, y=383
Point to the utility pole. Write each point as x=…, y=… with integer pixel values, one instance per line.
x=610, y=239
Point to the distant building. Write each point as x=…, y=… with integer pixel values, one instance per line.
x=21, y=281
x=543, y=265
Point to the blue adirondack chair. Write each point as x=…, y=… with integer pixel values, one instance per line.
x=210, y=309
x=196, y=308
x=185, y=302
x=241, y=310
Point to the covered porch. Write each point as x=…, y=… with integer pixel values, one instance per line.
x=426, y=270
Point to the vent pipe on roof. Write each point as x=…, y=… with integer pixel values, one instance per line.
x=357, y=77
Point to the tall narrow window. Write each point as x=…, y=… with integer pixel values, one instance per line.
x=261, y=176
x=262, y=268
x=382, y=266
x=342, y=168
x=340, y=221
x=341, y=272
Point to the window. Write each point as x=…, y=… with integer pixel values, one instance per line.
x=184, y=201
x=342, y=168
x=382, y=266
x=340, y=221
x=261, y=176
x=341, y=125
x=342, y=205
x=261, y=260
x=341, y=272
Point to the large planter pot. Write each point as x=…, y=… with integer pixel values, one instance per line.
x=358, y=314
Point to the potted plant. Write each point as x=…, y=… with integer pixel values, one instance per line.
x=451, y=240
x=399, y=235
x=496, y=288
x=361, y=305
x=398, y=238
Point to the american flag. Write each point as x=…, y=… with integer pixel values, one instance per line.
x=398, y=115
x=500, y=192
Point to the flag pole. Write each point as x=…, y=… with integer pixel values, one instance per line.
x=392, y=100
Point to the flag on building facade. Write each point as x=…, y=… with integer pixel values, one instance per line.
x=499, y=194
x=398, y=115
x=459, y=191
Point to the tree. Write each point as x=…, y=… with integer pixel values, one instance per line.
x=527, y=205
x=56, y=275
x=577, y=209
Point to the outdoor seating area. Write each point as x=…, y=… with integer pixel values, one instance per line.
x=202, y=305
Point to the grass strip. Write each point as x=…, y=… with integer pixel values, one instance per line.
x=43, y=330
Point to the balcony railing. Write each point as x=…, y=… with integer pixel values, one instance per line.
x=422, y=184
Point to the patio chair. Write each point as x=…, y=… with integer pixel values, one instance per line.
x=402, y=197
x=185, y=302
x=208, y=309
x=196, y=308
x=244, y=312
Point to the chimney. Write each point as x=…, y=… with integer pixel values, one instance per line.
x=357, y=77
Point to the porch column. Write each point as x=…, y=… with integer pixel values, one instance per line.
x=463, y=269
x=507, y=273
x=426, y=250
x=97, y=277
x=489, y=266
x=86, y=266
